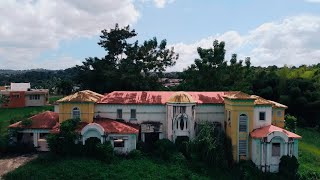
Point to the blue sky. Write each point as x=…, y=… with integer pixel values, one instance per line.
x=270, y=32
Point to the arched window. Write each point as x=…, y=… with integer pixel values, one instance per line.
x=75, y=113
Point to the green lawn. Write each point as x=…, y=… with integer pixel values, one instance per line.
x=82, y=168
x=309, y=151
x=6, y=114
x=53, y=99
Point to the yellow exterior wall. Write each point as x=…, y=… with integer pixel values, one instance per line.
x=238, y=107
x=278, y=120
x=86, y=111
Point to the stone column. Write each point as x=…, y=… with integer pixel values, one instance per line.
x=35, y=139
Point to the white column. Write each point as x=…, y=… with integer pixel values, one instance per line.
x=35, y=139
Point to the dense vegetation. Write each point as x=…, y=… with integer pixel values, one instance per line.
x=164, y=161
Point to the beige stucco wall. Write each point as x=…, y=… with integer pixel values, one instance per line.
x=39, y=102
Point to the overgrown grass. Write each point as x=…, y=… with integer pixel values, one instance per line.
x=309, y=151
x=84, y=168
x=53, y=99
x=6, y=114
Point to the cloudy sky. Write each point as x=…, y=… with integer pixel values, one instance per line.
x=57, y=34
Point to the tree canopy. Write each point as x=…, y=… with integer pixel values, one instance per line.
x=127, y=65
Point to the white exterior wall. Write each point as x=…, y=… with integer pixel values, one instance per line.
x=255, y=153
x=257, y=123
x=156, y=113
x=130, y=141
x=35, y=102
x=210, y=113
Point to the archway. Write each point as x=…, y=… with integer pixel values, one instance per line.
x=92, y=130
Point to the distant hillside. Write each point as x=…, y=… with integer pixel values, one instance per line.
x=10, y=72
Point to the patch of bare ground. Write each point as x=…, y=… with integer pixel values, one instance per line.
x=12, y=162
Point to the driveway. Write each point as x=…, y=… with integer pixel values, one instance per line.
x=12, y=162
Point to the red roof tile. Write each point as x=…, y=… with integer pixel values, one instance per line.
x=158, y=97
x=265, y=131
x=116, y=127
x=44, y=120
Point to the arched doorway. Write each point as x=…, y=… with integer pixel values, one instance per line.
x=92, y=130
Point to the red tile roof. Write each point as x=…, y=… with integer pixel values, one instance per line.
x=44, y=120
x=111, y=126
x=158, y=97
x=265, y=131
x=116, y=127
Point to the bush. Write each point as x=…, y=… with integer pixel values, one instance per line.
x=135, y=154
x=142, y=147
x=164, y=149
x=290, y=123
x=182, y=143
x=178, y=158
x=21, y=148
x=104, y=152
x=15, y=119
x=288, y=167
x=211, y=146
x=64, y=142
x=309, y=176
x=248, y=170
x=26, y=122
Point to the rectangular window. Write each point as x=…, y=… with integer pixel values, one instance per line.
x=279, y=113
x=133, y=114
x=34, y=97
x=118, y=143
x=275, y=149
x=262, y=116
x=119, y=113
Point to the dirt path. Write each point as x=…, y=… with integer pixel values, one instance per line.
x=12, y=162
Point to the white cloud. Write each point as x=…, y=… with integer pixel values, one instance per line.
x=30, y=27
x=293, y=41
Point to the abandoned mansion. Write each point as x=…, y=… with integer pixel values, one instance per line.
x=255, y=125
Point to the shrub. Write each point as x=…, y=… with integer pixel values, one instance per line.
x=21, y=148
x=135, y=154
x=210, y=145
x=164, y=149
x=290, y=123
x=178, y=158
x=309, y=176
x=142, y=147
x=64, y=142
x=15, y=119
x=248, y=170
x=26, y=122
x=182, y=143
x=288, y=167
x=104, y=152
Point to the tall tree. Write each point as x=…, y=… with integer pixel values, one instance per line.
x=212, y=72
x=127, y=65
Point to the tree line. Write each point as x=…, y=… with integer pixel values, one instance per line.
x=131, y=65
